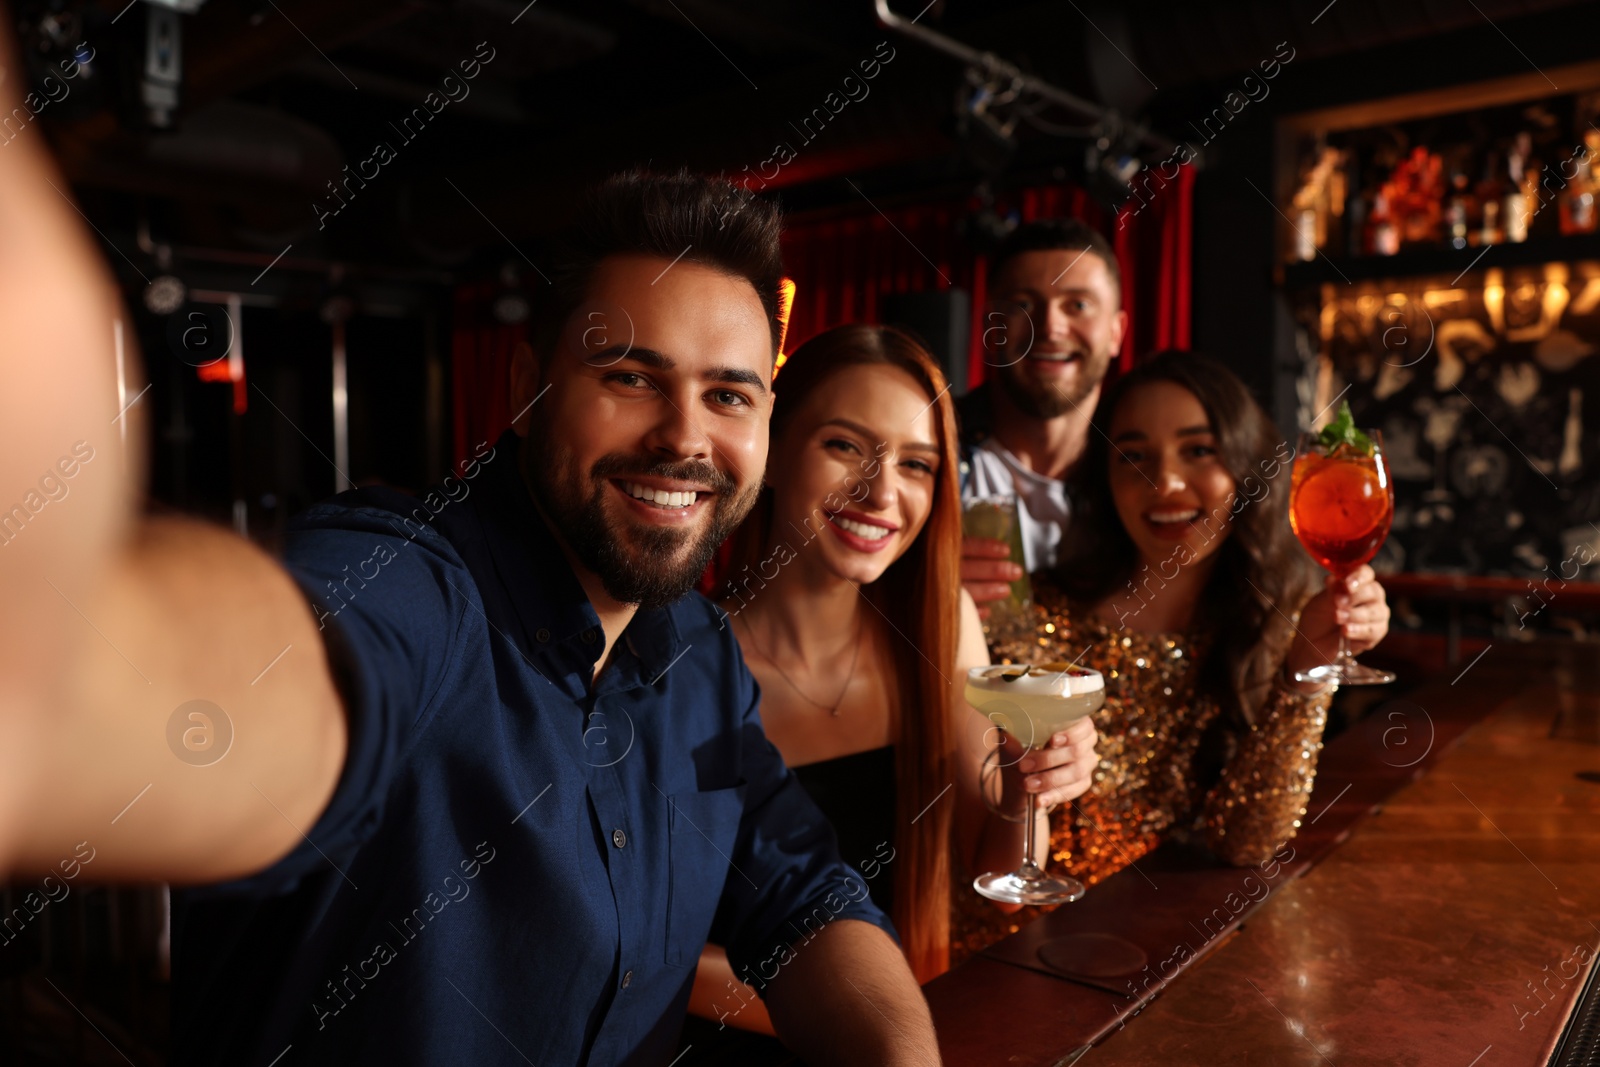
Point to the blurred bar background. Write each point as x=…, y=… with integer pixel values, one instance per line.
x=328, y=217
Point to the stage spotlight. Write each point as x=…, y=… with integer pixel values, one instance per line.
x=511, y=308
x=165, y=294
x=511, y=305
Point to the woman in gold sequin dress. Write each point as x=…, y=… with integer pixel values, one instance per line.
x=1184, y=586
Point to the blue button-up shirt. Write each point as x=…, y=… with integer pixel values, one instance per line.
x=521, y=862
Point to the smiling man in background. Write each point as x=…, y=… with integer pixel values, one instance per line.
x=1053, y=325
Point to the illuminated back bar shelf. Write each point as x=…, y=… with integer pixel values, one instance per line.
x=1477, y=361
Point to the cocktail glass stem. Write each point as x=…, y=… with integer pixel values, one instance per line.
x=1030, y=868
x=1028, y=884
x=1345, y=661
x=1344, y=670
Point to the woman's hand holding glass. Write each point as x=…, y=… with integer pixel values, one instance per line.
x=1355, y=606
x=1060, y=772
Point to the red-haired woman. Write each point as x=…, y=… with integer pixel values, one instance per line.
x=844, y=591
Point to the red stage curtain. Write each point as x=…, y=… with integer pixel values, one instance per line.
x=844, y=264
x=480, y=360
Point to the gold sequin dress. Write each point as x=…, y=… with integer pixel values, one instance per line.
x=1145, y=788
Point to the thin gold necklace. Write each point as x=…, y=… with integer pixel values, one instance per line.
x=855, y=654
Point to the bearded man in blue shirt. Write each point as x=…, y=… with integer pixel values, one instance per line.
x=492, y=774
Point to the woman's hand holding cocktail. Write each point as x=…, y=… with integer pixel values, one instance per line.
x=1355, y=605
x=1062, y=771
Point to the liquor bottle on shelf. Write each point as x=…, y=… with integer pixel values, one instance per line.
x=1383, y=236
x=1577, y=200
x=1490, y=193
x=1355, y=208
x=1313, y=204
x=1542, y=184
x=1355, y=226
x=1418, y=187
x=1518, y=208
x=1460, y=211
x=1338, y=192
x=1305, y=233
x=1541, y=187
x=1303, y=213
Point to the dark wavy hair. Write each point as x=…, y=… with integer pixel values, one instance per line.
x=1262, y=575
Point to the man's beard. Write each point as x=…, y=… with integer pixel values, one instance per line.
x=1048, y=400
x=647, y=566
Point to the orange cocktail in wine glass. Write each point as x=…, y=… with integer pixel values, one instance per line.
x=1341, y=504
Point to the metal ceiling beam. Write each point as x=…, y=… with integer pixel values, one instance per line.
x=998, y=68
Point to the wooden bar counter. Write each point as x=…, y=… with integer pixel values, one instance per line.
x=1442, y=905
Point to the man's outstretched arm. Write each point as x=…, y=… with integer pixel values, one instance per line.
x=113, y=622
x=847, y=997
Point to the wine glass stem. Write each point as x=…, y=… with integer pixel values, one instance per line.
x=1346, y=660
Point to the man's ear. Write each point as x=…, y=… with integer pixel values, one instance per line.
x=524, y=385
x=1119, y=327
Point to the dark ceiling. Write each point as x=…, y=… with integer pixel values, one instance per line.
x=279, y=97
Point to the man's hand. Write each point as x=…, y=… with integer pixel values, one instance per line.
x=117, y=621
x=987, y=571
x=1355, y=606
x=59, y=311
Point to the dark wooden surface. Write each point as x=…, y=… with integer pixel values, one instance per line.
x=1452, y=847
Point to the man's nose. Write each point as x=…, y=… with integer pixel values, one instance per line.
x=1057, y=322
x=677, y=435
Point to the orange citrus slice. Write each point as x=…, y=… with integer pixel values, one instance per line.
x=1340, y=501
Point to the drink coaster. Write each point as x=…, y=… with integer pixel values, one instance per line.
x=1093, y=955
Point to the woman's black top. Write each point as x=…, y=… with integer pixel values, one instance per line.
x=857, y=794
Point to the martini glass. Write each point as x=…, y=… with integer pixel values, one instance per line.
x=1032, y=704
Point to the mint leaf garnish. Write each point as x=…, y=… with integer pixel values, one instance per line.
x=1342, y=432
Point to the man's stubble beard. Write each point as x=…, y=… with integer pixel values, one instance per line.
x=649, y=567
x=1049, y=400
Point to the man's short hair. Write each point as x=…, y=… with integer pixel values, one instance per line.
x=680, y=216
x=1049, y=235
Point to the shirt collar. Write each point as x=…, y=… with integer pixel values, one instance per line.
x=1016, y=466
x=560, y=630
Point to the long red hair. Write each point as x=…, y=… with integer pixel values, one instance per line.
x=918, y=595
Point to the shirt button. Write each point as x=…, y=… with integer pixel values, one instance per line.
x=619, y=838
x=542, y=636
x=588, y=636
x=627, y=979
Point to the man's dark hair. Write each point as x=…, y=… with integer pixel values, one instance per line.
x=1049, y=235
x=680, y=216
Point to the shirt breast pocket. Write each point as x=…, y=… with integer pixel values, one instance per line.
x=702, y=833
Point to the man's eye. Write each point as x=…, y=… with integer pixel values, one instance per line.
x=729, y=398
x=628, y=379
